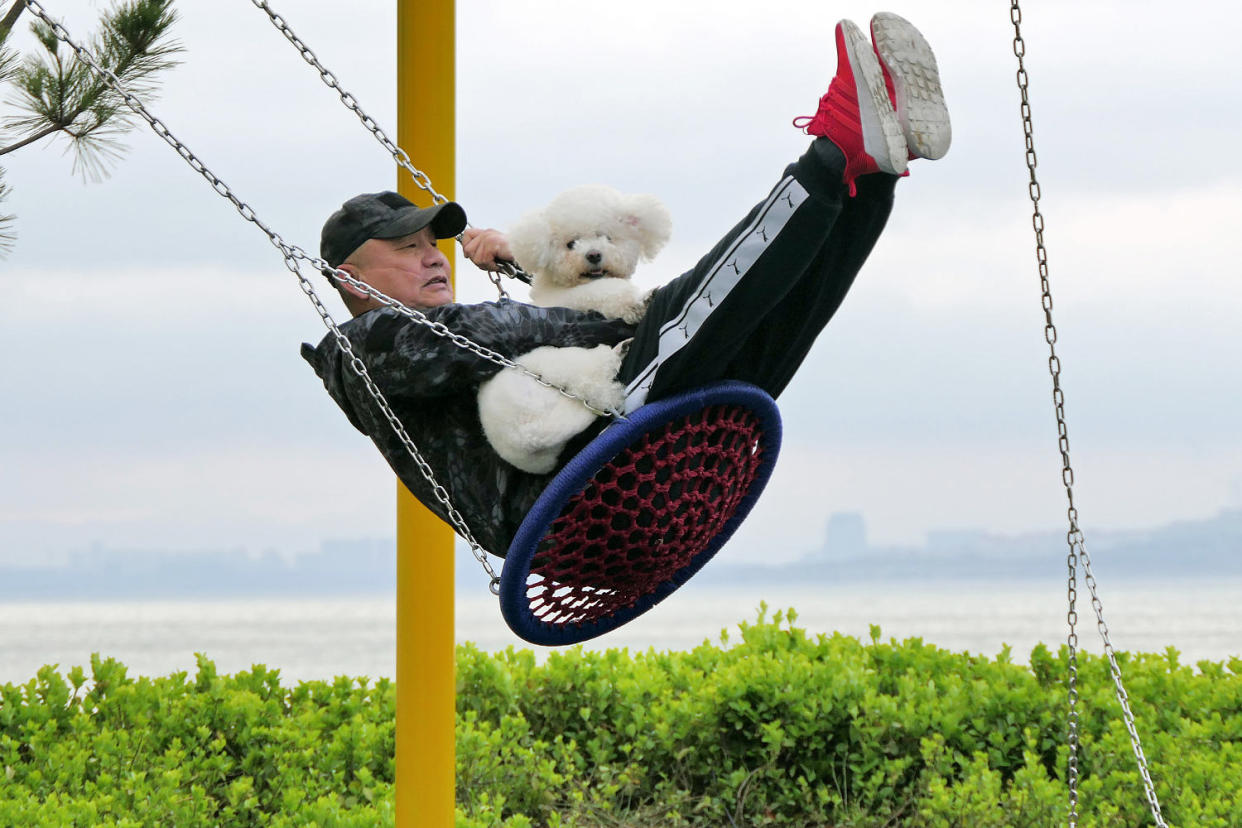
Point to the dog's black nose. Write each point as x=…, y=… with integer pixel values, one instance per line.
x=594, y=257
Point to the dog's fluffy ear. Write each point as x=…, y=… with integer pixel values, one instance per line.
x=650, y=220
x=528, y=239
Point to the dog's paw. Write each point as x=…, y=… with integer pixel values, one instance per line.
x=635, y=312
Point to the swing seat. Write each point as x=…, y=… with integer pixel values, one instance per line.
x=638, y=511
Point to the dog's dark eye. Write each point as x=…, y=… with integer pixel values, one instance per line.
x=571, y=244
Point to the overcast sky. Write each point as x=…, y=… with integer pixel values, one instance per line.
x=153, y=394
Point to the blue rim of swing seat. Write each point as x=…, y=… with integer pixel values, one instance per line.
x=573, y=478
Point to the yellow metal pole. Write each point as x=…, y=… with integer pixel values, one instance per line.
x=426, y=756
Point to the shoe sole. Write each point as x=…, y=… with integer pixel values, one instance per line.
x=883, y=139
x=921, y=109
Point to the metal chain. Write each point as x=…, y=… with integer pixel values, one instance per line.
x=293, y=256
x=511, y=269
x=1074, y=537
x=359, y=368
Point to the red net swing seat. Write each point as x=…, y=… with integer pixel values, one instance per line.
x=638, y=511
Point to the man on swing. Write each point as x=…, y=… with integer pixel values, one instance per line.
x=749, y=310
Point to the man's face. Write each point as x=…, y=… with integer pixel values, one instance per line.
x=410, y=269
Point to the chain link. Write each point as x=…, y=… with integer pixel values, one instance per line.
x=421, y=179
x=293, y=256
x=1074, y=537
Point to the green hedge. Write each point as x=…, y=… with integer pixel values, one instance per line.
x=777, y=728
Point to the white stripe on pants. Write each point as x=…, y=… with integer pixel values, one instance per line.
x=723, y=276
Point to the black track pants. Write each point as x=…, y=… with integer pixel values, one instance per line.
x=751, y=308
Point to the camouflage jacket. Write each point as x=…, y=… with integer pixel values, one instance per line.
x=431, y=385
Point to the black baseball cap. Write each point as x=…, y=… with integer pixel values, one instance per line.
x=385, y=215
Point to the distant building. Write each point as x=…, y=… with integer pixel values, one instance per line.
x=844, y=538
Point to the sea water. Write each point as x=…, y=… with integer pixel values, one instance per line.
x=319, y=638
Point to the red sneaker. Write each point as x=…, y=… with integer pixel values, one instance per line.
x=856, y=113
x=913, y=80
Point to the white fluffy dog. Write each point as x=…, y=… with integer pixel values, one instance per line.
x=580, y=251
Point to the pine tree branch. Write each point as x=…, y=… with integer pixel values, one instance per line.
x=10, y=18
x=30, y=139
x=59, y=94
x=60, y=91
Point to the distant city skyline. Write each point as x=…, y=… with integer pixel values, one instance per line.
x=1194, y=548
